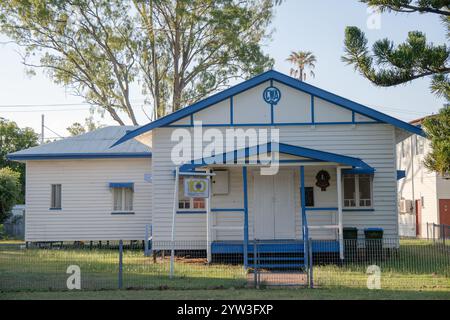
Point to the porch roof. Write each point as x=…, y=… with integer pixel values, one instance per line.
x=241, y=157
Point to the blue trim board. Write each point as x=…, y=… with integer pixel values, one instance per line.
x=129, y=185
x=401, y=174
x=277, y=124
x=313, y=116
x=231, y=110
x=63, y=156
x=233, y=156
x=288, y=246
x=284, y=79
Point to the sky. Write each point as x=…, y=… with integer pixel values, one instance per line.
x=307, y=25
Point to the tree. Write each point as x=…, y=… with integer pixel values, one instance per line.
x=9, y=191
x=438, y=131
x=89, y=125
x=12, y=139
x=301, y=61
x=175, y=51
x=389, y=65
x=84, y=45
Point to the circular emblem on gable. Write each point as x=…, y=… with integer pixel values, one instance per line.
x=272, y=95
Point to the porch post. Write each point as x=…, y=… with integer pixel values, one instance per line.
x=305, y=230
x=340, y=216
x=303, y=204
x=174, y=214
x=244, y=178
x=208, y=220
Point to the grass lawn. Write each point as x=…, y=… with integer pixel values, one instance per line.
x=419, y=268
x=241, y=294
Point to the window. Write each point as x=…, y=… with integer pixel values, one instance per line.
x=357, y=191
x=122, y=199
x=55, y=202
x=309, y=197
x=189, y=204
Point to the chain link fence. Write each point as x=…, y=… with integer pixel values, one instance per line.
x=398, y=264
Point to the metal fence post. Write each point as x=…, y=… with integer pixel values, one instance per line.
x=120, y=264
x=255, y=264
x=146, y=252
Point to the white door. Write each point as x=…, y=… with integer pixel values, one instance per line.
x=274, y=214
x=284, y=205
x=264, y=207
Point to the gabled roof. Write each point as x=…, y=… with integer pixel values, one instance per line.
x=314, y=155
x=91, y=145
x=264, y=77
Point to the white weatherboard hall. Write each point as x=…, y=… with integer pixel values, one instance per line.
x=337, y=169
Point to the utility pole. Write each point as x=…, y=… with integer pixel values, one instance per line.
x=42, y=128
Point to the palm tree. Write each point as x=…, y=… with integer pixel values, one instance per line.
x=301, y=61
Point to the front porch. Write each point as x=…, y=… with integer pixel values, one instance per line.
x=278, y=223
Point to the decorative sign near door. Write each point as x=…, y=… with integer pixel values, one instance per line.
x=323, y=180
x=196, y=188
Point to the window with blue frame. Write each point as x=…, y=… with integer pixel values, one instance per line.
x=122, y=198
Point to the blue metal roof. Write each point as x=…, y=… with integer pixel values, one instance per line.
x=284, y=79
x=92, y=145
x=316, y=155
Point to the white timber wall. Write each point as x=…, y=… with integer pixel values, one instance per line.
x=374, y=143
x=87, y=201
x=422, y=181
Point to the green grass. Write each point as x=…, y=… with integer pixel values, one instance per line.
x=417, y=266
x=242, y=294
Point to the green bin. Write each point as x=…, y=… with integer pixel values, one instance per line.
x=350, y=243
x=374, y=242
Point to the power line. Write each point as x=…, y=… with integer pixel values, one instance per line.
x=41, y=110
x=58, y=104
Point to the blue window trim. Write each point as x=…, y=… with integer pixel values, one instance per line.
x=359, y=210
x=401, y=174
x=128, y=185
x=63, y=156
x=283, y=79
x=358, y=171
x=122, y=213
x=55, y=209
x=190, y=212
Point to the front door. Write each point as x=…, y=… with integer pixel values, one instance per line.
x=274, y=215
x=444, y=212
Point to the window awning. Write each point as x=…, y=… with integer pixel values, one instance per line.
x=401, y=174
x=127, y=185
x=240, y=157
